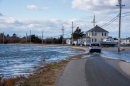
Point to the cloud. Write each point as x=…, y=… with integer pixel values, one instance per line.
x=34, y=7
x=1, y=14
x=64, y=1
x=10, y=20
x=52, y=27
x=19, y=26
x=96, y=6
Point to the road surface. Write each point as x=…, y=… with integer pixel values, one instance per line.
x=93, y=71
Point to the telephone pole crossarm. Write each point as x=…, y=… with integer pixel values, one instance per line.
x=94, y=21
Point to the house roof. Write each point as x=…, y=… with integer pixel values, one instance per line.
x=97, y=29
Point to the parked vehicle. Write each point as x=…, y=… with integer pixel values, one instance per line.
x=94, y=47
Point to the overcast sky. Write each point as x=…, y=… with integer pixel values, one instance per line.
x=21, y=16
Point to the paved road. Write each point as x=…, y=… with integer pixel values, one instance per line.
x=93, y=71
x=74, y=74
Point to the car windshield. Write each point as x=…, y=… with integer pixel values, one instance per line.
x=94, y=44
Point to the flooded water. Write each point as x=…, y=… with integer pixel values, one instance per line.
x=114, y=54
x=23, y=59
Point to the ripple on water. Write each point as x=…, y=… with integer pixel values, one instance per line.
x=23, y=59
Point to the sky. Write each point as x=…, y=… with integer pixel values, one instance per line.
x=49, y=16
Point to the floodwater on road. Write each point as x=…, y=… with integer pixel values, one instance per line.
x=114, y=54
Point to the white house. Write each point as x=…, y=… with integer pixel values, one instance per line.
x=79, y=41
x=75, y=42
x=68, y=41
x=125, y=41
x=94, y=35
x=86, y=40
x=97, y=34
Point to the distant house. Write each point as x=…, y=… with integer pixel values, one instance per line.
x=109, y=42
x=80, y=41
x=97, y=34
x=75, y=42
x=125, y=41
x=68, y=41
x=94, y=35
x=86, y=40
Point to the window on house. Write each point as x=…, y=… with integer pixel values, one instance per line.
x=88, y=41
x=105, y=34
x=95, y=34
x=92, y=40
x=102, y=34
x=95, y=40
x=92, y=34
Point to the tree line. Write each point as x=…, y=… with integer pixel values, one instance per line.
x=35, y=39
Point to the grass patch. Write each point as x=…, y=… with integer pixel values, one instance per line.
x=10, y=81
x=46, y=76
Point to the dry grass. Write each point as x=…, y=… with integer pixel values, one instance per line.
x=10, y=81
x=46, y=77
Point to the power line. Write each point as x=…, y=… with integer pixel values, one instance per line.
x=125, y=12
x=126, y=15
x=111, y=21
x=109, y=13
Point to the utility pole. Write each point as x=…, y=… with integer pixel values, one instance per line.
x=42, y=37
x=72, y=32
x=120, y=10
x=94, y=24
x=94, y=21
x=30, y=36
x=3, y=38
x=63, y=35
x=26, y=37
